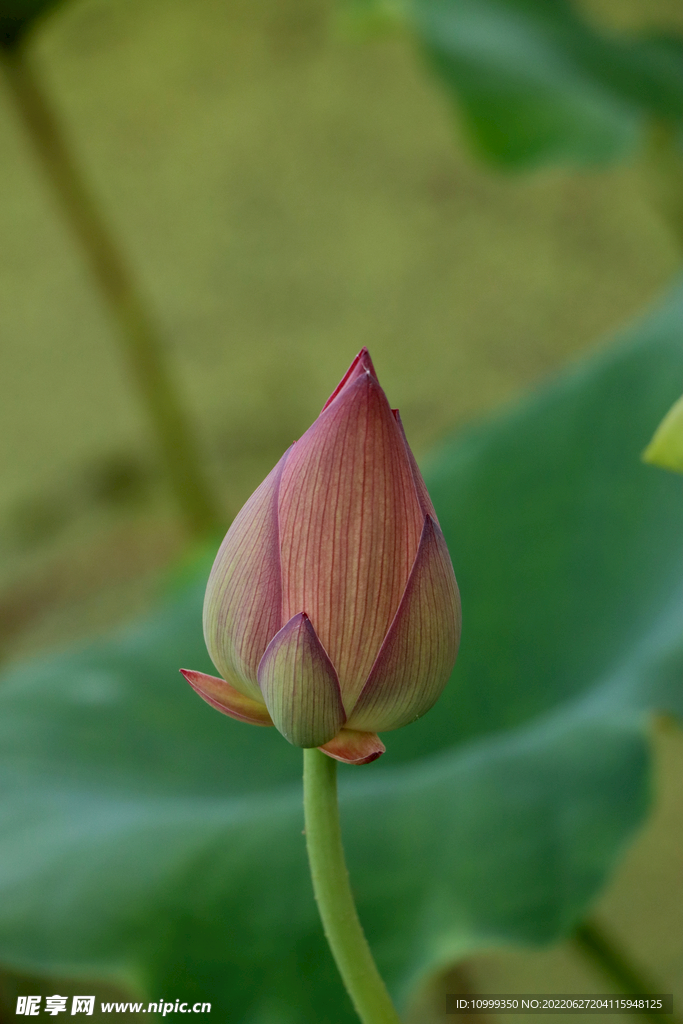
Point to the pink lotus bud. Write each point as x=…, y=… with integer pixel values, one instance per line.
x=332, y=610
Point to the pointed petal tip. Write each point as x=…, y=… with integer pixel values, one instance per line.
x=226, y=699
x=300, y=685
x=350, y=746
x=365, y=361
x=361, y=364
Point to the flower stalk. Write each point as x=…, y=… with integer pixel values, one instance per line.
x=592, y=942
x=137, y=331
x=329, y=874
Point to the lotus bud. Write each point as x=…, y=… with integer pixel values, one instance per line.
x=332, y=610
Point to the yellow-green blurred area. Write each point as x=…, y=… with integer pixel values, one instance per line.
x=286, y=193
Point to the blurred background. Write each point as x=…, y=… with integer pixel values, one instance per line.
x=285, y=194
x=288, y=187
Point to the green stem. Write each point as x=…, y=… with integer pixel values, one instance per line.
x=343, y=930
x=596, y=947
x=143, y=348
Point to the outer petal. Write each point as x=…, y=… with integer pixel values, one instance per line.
x=243, y=602
x=300, y=686
x=350, y=526
x=353, y=747
x=419, y=652
x=226, y=698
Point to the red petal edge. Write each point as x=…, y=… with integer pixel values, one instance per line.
x=354, y=747
x=420, y=486
x=226, y=699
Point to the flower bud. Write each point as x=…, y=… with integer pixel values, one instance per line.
x=332, y=610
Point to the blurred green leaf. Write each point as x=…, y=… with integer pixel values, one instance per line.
x=17, y=16
x=666, y=447
x=146, y=838
x=537, y=83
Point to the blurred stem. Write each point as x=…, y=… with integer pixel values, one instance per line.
x=343, y=929
x=664, y=164
x=596, y=947
x=137, y=332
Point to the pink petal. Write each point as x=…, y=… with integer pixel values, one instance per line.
x=420, y=485
x=226, y=698
x=353, y=747
x=419, y=652
x=300, y=686
x=360, y=365
x=243, y=602
x=350, y=526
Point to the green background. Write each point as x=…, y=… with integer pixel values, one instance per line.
x=287, y=193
